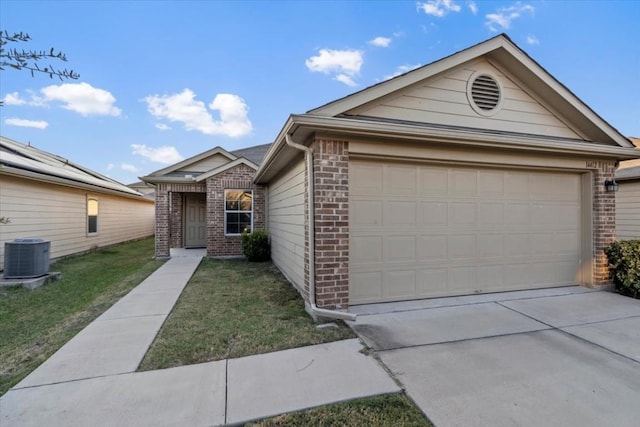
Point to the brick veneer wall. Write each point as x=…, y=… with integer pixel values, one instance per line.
x=162, y=221
x=331, y=181
x=604, y=220
x=175, y=218
x=169, y=204
x=239, y=177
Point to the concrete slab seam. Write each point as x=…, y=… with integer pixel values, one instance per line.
x=553, y=328
x=463, y=304
x=71, y=381
x=226, y=389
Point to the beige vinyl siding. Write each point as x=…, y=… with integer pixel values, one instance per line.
x=206, y=164
x=443, y=100
x=59, y=214
x=286, y=222
x=628, y=210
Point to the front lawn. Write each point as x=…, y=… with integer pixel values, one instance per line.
x=36, y=323
x=391, y=410
x=235, y=308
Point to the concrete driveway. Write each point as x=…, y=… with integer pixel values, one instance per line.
x=560, y=357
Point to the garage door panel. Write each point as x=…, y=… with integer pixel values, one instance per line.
x=463, y=183
x=437, y=230
x=400, y=213
x=366, y=213
x=463, y=213
x=431, y=247
x=400, y=180
x=400, y=249
x=404, y=284
x=366, y=286
x=366, y=250
x=490, y=246
x=433, y=181
x=491, y=184
x=434, y=213
x=462, y=246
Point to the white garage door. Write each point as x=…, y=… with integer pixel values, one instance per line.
x=425, y=231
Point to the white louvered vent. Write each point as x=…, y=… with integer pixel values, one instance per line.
x=485, y=92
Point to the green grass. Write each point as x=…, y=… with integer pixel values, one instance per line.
x=235, y=308
x=36, y=323
x=391, y=410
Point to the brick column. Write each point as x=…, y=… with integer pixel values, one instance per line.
x=162, y=221
x=175, y=220
x=331, y=181
x=604, y=220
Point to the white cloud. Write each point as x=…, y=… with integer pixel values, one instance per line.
x=380, y=41
x=501, y=19
x=38, y=124
x=401, y=70
x=166, y=154
x=13, y=98
x=473, y=7
x=123, y=166
x=345, y=64
x=82, y=98
x=128, y=167
x=162, y=126
x=532, y=40
x=438, y=8
x=184, y=108
x=343, y=78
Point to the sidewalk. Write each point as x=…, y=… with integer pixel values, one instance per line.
x=92, y=380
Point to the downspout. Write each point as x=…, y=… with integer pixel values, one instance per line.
x=315, y=310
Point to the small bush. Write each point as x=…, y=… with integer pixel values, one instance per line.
x=624, y=263
x=255, y=246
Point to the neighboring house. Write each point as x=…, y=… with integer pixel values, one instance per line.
x=628, y=198
x=76, y=209
x=144, y=188
x=477, y=173
x=208, y=200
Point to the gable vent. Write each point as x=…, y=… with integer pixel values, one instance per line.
x=485, y=92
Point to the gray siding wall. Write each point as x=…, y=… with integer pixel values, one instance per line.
x=286, y=222
x=628, y=210
x=59, y=214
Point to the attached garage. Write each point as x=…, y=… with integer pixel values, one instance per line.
x=430, y=230
x=476, y=173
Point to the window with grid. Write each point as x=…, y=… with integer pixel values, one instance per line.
x=92, y=216
x=238, y=211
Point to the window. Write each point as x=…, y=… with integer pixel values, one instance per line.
x=238, y=211
x=92, y=216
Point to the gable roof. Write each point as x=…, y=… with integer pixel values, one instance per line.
x=594, y=136
x=27, y=161
x=226, y=166
x=630, y=169
x=503, y=53
x=191, y=160
x=254, y=154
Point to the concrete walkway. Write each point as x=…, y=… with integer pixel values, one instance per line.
x=91, y=380
x=556, y=357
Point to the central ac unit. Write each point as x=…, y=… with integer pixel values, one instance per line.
x=25, y=258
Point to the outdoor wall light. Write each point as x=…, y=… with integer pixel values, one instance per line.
x=611, y=185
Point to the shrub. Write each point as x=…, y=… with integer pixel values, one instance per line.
x=624, y=263
x=255, y=246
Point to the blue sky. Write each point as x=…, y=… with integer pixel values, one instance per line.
x=162, y=81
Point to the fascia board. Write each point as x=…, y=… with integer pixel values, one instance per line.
x=194, y=159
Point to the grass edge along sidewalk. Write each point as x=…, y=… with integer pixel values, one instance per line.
x=34, y=324
x=234, y=308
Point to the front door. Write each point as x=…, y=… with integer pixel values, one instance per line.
x=195, y=233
